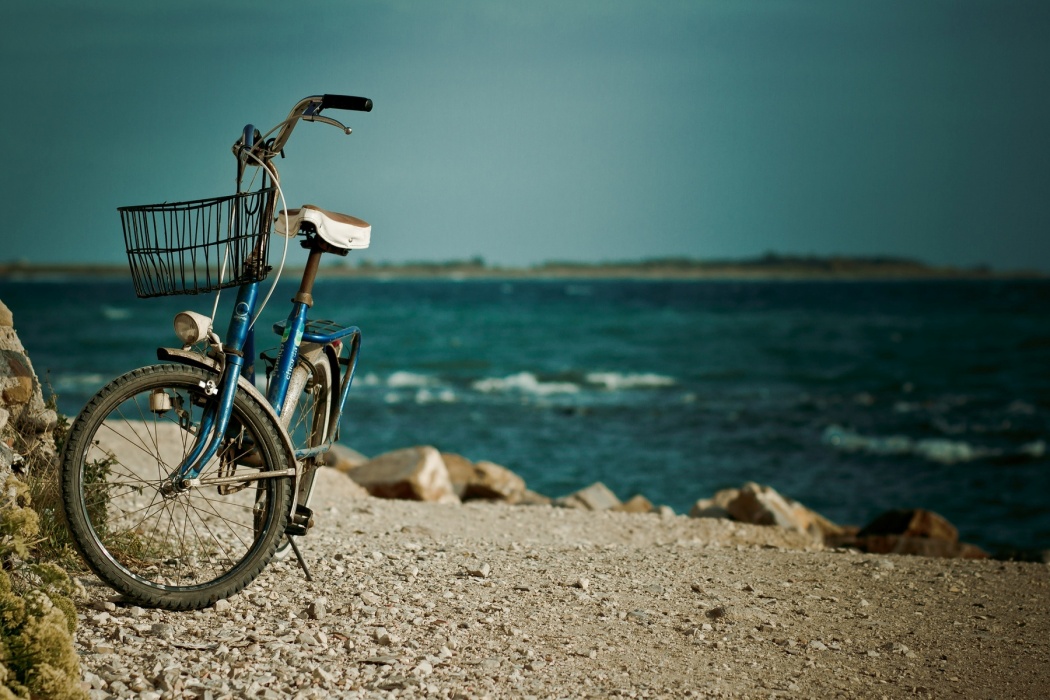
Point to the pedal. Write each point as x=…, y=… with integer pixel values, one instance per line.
x=300, y=521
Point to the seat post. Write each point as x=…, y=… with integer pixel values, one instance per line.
x=306, y=287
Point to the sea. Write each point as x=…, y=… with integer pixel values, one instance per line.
x=851, y=397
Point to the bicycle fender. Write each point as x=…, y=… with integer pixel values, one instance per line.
x=195, y=359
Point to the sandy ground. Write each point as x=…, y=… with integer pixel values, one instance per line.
x=486, y=600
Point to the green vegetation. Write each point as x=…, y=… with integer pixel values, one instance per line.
x=37, y=616
x=53, y=542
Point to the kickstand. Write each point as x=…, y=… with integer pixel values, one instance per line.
x=299, y=556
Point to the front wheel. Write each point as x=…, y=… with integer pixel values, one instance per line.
x=175, y=549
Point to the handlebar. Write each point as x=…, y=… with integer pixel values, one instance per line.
x=356, y=104
x=307, y=109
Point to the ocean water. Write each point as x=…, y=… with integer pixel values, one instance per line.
x=852, y=397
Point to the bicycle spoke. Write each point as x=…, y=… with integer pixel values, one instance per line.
x=227, y=521
x=214, y=538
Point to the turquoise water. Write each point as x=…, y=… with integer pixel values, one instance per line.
x=850, y=397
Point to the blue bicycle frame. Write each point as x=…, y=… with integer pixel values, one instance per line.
x=239, y=352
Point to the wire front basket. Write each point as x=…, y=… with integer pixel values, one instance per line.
x=199, y=246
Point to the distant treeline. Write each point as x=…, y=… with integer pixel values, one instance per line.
x=767, y=266
x=768, y=260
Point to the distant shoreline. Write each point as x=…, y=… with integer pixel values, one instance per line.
x=766, y=268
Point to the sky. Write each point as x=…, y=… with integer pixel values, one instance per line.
x=524, y=131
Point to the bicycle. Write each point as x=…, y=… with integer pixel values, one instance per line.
x=179, y=480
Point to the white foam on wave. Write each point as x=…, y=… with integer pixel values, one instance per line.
x=525, y=382
x=115, y=313
x=78, y=382
x=938, y=450
x=616, y=381
x=408, y=380
x=425, y=396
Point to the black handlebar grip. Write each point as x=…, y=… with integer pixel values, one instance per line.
x=357, y=104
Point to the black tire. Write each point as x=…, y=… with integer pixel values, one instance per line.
x=308, y=408
x=177, y=551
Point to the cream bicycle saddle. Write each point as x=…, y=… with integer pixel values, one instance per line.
x=340, y=230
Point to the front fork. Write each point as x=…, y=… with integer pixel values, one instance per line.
x=216, y=418
x=214, y=422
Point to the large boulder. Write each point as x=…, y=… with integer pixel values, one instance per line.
x=413, y=473
x=597, y=496
x=715, y=507
x=912, y=531
x=460, y=472
x=494, y=481
x=483, y=480
x=763, y=505
x=914, y=522
x=343, y=459
x=635, y=504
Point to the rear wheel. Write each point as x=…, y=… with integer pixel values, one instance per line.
x=308, y=408
x=172, y=548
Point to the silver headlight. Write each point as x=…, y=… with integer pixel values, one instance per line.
x=191, y=326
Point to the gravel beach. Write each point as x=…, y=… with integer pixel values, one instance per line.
x=415, y=600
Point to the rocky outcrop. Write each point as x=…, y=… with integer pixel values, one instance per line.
x=26, y=423
x=635, y=504
x=919, y=532
x=597, y=496
x=910, y=531
x=912, y=523
x=763, y=505
x=414, y=473
x=483, y=480
x=343, y=459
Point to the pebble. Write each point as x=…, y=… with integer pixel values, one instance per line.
x=162, y=630
x=382, y=636
x=316, y=610
x=481, y=571
x=718, y=612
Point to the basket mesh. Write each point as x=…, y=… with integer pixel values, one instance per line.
x=199, y=246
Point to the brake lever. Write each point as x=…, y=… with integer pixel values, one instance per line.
x=327, y=120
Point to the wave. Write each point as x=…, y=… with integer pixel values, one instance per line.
x=115, y=313
x=938, y=450
x=77, y=383
x=433, y=389
x=525, y=382
x=408, y=380
x=615, y=381
x=425, y=396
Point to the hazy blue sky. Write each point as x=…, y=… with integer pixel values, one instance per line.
x=524, y=131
